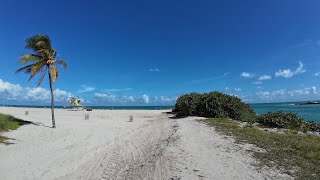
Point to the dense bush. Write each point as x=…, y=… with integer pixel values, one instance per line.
x=287, y=120
x=280, y=120
x=311, y=126
x=213, y=105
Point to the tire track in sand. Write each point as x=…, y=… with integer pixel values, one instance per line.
x=136, y=155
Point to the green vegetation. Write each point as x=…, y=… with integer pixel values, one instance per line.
x=295, y=154
x=287, y=120
x=219, y=105
x=9, y=123
x=42, y=61
x=213, y=105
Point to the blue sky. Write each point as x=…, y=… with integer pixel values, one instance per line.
x=150, y=52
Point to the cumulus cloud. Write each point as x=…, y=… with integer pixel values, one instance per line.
x=303, y=91
x=145, y=98
x=287, y=95
x=16, y=92
x=154, y=70
x=247, y=75
x=115, y=99
x=264, y=77
x=108, y=97
x=85, y=88
x=288, y=73
x=130, y=98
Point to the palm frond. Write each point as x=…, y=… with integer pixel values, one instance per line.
x=38, y=42
x=54, y=72
x=42, y=77
x=44, y=52
x=26, y=69
x=63, y=63
x=26, y=58
x=53, y=53
x=36, y=69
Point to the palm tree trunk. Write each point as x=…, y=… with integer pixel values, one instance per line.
x=52, y=99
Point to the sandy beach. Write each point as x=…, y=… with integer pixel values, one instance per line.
x=108, y=146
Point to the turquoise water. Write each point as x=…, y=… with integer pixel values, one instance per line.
x=308, y=112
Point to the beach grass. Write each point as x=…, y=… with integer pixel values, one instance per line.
x=295, y=154
x=8, y=123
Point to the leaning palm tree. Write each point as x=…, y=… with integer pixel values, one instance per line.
x=40, y=62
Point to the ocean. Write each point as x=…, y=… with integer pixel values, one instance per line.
x=308, y=112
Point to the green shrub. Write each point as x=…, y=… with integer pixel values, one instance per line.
x=213, y=105
x=8, y=123
x=186, y=105
x=311, y=126
x=281, y=120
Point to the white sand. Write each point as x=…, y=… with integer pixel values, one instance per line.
x=107, y=146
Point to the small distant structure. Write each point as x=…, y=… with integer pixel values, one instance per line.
x=130, y=118
x=74, y=104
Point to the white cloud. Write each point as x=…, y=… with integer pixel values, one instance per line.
x=154, y=70
x=85, y=88
x=263, y=93
x=247, y=75
x=288, y=73
x=279, y=92
x=105, y=97
x=282, y=95
x=163, y=100
x=114, y=99
x=145, y=98
x=232, y=89
x=304, y=91
x=257, y=82
x=17, y=93
x=9, y=91
x=314, y=90
x=317, y=74
x=130, y=98
x=264, y=77
x=117, y=90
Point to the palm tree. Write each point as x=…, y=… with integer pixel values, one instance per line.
x=40, y=62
